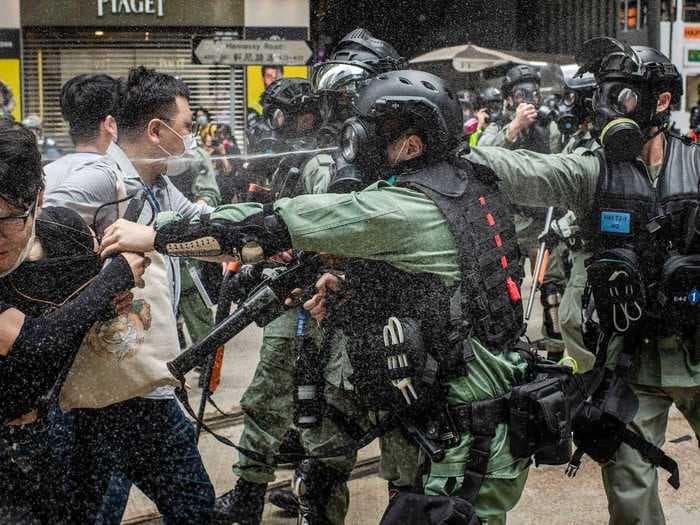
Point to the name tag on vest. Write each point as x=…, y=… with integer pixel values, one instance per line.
x=615, y=222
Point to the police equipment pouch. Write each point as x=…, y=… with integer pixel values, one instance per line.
x=410, y=508
x=679, y=291
x=540, y=416
x=615, y=282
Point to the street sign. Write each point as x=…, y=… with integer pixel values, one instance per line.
x=250, y=52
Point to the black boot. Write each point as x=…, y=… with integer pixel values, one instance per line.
x=313, y=484
x=243, y=505
x=285, y=500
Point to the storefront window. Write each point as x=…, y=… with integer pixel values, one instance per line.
x=691, y=11
x=668, y=10
x=632, y=14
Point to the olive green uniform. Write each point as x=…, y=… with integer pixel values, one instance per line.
x=570, y=307
x=268, y=402
x=660, y=377
x=197, y=316
x=406, y=229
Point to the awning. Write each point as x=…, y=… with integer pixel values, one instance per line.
x=469, y=58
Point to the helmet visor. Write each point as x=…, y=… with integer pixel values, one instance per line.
x=338, y=76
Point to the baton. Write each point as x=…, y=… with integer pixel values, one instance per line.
x=540, y=263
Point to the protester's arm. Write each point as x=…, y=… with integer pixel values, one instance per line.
x=537, y=179
x=34, y=350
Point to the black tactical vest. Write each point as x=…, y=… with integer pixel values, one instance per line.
x=630, y=212
x=480, y=219
x=489, y=302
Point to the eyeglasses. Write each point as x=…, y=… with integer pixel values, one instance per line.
x=16, y=223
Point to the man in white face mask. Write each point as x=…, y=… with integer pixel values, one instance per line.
x=155, y=139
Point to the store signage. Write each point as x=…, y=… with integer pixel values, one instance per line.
x=131, y=7
x=244, y=52
x=691, y=32
x=693, y=55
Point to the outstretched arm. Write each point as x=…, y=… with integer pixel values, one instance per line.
x=538, y=179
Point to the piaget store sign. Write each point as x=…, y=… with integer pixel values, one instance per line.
x=131, y=7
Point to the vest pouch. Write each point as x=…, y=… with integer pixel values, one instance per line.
x=391, y=367
x=679, y=292
x=539, y=416
x=618, y=290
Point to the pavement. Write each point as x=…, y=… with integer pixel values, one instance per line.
x=549, y=496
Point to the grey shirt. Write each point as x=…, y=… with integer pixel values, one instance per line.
x=94, y=184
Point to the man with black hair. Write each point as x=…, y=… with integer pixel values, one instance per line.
x=155, y=130
x=47, y=256
x=90, y=104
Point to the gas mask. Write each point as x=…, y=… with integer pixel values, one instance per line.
x=571, y=112
x=178, y=164
x=526, y=93
x=623, y=115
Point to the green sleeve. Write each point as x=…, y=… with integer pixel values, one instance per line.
x=204, y=185
x=317, y=174
x=493, y=135
x=537, y=179
x=555, y=145
x=396, y=225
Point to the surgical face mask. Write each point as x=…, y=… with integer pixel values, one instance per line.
x=202, y=120
x=27, y=248
x=178, y=164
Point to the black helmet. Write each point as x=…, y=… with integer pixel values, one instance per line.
x=468, y=98
x=286, y=98
x=490, y=95
x=630, y=80
x=610, y=59
x=518, y=75
x=357, y=57
x=394, y=102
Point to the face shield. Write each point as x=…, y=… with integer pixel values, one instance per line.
x=339, y=76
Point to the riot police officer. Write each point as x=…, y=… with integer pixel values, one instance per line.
x=424, y=341
x=631, y=196
x=490, y=100
x=290, y=113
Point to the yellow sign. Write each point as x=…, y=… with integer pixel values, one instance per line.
x=691, y=32
x=10, y=75
x=259, y=77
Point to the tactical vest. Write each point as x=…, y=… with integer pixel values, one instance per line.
x=487, y=303
x=630, y=212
